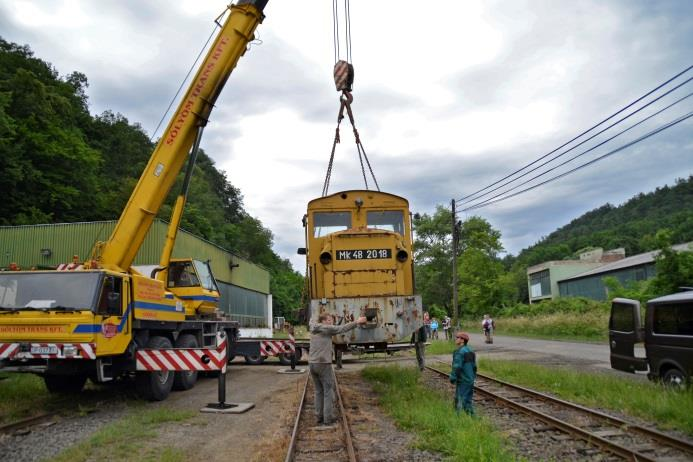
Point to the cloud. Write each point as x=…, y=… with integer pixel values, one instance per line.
x=447, y=99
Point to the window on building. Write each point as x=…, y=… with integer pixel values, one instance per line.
x=540, y=284
x=673, y=319
x=325, y=223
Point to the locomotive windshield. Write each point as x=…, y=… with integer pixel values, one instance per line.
x=325, y=223
x=389, y=220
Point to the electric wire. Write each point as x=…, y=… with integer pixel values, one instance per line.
x=583, y=142
x=604, y=156
x=582, y=153
x=194, y=66
x=580, y=135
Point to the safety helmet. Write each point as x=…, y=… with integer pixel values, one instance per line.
x=463, y=336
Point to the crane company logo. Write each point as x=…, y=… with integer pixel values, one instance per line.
x=109, y=329
x=148, y=289
x=32, y=329
x=194, y=93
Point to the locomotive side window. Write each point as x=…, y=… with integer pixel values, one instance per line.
x=325, y=223
x=389, y=220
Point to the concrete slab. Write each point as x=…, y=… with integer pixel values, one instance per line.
x=229, y=408
x=291, y=371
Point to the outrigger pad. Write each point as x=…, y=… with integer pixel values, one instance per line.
x=227, y=408
x=288, y=370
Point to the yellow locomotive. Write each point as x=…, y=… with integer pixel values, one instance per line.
x=360, y=263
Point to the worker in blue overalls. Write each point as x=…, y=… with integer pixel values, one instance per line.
x=463, y=373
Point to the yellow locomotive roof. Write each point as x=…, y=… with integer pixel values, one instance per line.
x=344, y=199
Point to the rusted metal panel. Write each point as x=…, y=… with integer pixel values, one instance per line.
x=390, y=318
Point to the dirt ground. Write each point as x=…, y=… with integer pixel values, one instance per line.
x=262, y=434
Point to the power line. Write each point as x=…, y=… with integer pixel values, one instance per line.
x=585, y=141
x=610, y=153
x=580, y=135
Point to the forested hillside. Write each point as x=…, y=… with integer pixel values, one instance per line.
x=58, y=164
x=632, y=225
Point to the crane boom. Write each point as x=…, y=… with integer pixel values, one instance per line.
x=170, y=154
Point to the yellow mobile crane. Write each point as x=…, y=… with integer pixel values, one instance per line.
x=91, y=320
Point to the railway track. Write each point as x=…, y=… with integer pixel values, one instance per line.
x=311, y=442
x=26, y=424
x=604, y=432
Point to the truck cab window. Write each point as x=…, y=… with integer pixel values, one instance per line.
x=182, y=274
x=110, y=300
x=325, y=223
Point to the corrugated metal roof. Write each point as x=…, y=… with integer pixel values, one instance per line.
x=635, y=260
x=52, y=244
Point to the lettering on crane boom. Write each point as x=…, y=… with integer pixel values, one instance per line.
x=364, y=254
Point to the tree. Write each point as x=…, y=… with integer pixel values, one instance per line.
x=674, y=269
x=433, y=258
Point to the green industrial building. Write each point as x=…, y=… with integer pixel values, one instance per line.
x=585, y=277
x=244, y=286
x=590, y=283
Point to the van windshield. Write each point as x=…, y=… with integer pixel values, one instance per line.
x=71, y=290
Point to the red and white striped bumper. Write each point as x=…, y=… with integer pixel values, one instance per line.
x=277, y=347
x=16, y=351
x=183, y=359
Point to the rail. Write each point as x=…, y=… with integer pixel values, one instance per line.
x=301, y=432
x=599, y=439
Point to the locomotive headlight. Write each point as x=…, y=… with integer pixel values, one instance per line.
x=402, y=255
x=325, y=258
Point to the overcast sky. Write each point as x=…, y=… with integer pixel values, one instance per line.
x=449, y=95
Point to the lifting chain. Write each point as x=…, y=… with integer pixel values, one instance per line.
x=344, y=79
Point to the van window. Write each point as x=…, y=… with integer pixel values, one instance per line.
x=676, y=319
x=325, y=223
x=621, y=318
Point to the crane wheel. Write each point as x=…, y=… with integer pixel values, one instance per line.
x=155, y=386
x=185, y=380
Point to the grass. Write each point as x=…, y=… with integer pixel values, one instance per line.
x=647, y=400
x=25, y=395
x=124, y=439
x=431, y=418
x=21, y=395
x=590, y=326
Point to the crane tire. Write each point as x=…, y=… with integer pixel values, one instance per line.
x=185, y=380
x=155, y=386
x=254, y=360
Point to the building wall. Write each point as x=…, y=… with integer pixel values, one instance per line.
x=593, y=286
x=244, y=288
x=557, y=270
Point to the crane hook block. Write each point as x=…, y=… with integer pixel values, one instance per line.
x=343, y=76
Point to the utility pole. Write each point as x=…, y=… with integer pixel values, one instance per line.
x=455, y=237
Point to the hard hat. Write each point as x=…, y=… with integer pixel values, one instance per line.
x=463, y=335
